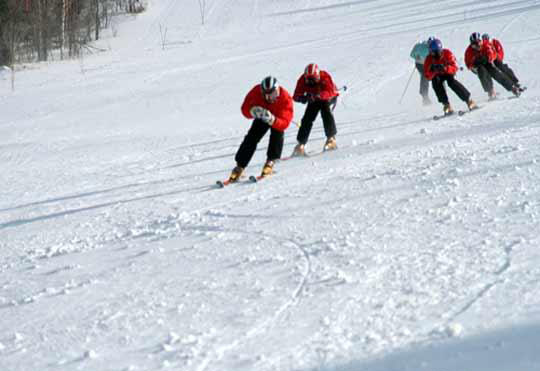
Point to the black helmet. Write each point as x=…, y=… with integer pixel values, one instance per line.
x=269, y=84
x=270, y=89
x=475, y=38
x=485, y=36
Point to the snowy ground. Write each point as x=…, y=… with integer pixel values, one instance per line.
x=412, y=247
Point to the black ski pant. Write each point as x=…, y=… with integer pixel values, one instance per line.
x=438, y=85
x=254, y=135
x=504, y=68
x=487, y=72
x=424, y=83
x=312, y=110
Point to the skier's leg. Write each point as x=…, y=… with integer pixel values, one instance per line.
x=249, y=144
x=438, y=86
x=500, y=77
x=506, y=70
x=333, y=103
x=275, y=145
x=485, y=78
x=329, y=122
x=312, y=110
x=458, y=88
x=424, y=83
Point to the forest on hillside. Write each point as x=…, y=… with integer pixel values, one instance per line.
x=40, y=30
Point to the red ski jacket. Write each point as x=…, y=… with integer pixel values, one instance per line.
x=447, y=60
x=486, y=50
x=325, y=88
x=498, y=49
x=282, y=108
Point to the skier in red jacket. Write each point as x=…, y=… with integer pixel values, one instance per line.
x=479, y=58
x=271, y=108
x=316, y=88
x=441, y=66
x=498, y=62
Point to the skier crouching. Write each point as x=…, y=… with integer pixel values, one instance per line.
x=316, y=88
x=271, y=108
x=499, y=61
x=479, y=58
x=440, y=67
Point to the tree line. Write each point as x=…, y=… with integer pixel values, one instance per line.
x=37, y=30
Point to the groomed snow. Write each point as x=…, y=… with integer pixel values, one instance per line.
x=412, y=247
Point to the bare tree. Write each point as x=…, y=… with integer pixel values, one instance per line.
x=202, y=8
x=38, y=29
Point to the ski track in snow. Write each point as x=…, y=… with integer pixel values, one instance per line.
x=119, y=253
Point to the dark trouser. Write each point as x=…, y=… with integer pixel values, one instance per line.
x=487, y=71
x=255, y=133
x=424, y=83
x=456, y=86
x=504, y=68
x=312, y=110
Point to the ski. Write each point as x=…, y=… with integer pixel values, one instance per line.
x=461, y=113
x=223, y=183
x=255, y=179
x=438, y=117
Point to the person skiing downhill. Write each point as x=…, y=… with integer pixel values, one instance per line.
x=419, y=53
x=316, y=88
x=499, y=60
x=480, y=56
x=440, y=67
x=271, y=108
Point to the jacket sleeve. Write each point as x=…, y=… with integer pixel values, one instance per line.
x=427, y=68
x=300, y=89
x=499, y=49
x=488, y=51
x=329, y=89
x=414, y=52
x=450, y=63
x=249, y=101
x=469, y=58
x=284, y=111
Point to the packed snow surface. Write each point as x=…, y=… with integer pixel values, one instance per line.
x=414, y=246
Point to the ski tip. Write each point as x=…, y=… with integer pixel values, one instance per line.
x=253, y=179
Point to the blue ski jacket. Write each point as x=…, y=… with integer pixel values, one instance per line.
x=420, y=51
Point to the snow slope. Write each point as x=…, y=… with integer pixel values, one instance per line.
x=412, y=247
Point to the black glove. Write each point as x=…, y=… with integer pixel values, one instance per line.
x=312, y=97
x=437, y=68
x=481, y=60
x=302, y=99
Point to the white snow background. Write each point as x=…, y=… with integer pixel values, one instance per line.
x=412, y=247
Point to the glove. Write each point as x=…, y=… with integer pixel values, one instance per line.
x=267, y=117
x=302, y=99
x=481, y=59
x=256, y=111
x=312, y=97
x=437, y=68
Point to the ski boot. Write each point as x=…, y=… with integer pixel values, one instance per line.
x=447, y=109
x=492, y=95
x=330, y=144
x=472, y=104
x=267, y=168
x=299, y=150
x=516, y=91
x=236, y=174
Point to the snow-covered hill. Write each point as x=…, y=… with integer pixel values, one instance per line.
x=412, y=247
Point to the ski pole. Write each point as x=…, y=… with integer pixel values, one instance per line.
x=407, y=86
